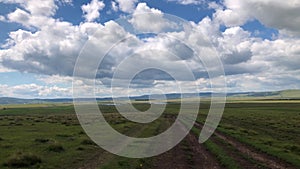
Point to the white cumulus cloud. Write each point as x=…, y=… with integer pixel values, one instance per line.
x=127, y=6
x=282, y=15
x=149, y=19
x=92, y=10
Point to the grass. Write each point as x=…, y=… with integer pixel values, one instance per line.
x=53, y=134
x=224, y=159
x=87, y=142
x=272, y=128
x=56, y=147
x=21, y=160
x=31, y=138
x=141, y=132
x=41, y=140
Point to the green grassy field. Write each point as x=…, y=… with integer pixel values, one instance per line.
x=270, y=127
x=51, y=133
x=50, y=136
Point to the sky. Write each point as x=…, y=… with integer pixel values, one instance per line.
x=255, y=44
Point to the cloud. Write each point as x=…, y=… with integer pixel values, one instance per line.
x=91, y=10
x=41, y=7
x=36, y=7
x=56, y=79
x=282, y=54
x=237, y=12
x=36, y=52
x=2, y=18
x=32, y=14
x=188, y=2
x=34, y=91
x=65, y=2
x=146, y=19
x=231, y=14
x=265, y=81
x=127, y=6
x=4, y=69
x=19, y=16
x=114, y=6
x=235, y=46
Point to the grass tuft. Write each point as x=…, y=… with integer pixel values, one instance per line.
x=41, y=140
x=80, y=149
x=56, y=147
x=87, y=142
x=21, y=160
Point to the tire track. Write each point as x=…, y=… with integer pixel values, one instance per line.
x=187, y=154
x=242, y=160
x=267, y=160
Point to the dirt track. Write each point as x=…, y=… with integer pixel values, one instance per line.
x=188, y=154
x=250, y=154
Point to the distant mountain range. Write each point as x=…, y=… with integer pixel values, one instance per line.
x=285, y=94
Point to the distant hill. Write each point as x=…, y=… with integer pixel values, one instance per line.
x=285, y=94
x=290, y=94
x=10, y=100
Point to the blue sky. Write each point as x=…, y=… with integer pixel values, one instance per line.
x=41, y=40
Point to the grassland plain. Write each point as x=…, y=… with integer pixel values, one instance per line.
x=49, y=136
x=272, y=128
x=274, y=131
